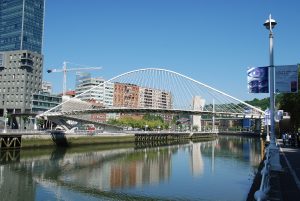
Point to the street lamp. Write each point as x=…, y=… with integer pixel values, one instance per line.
x=274, y=151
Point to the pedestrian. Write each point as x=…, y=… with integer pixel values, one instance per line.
x=289, y=138
x=283, y=138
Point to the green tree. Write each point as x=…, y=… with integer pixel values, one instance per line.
x=151, y=117
x=263, y=104
x=290, y=102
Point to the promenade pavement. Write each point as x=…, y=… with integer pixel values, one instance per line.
x=285, y=185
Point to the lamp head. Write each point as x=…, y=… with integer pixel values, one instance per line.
x=270, y=22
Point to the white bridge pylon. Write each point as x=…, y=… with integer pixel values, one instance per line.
x=158, y=90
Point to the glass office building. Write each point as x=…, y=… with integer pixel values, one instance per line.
x=21, y=25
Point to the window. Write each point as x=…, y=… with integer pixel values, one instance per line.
x=1, y=59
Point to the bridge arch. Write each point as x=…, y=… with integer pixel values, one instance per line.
x=181, y=88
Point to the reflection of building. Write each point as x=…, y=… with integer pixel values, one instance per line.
x=16, y=186
x=154, y=98
x=146, y=171
x=196, y=160
x=123, y=175
x=126, y=95
x=111, y=169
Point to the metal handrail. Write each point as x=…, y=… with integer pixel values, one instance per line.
x=261, y=194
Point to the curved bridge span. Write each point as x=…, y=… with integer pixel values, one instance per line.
x=154, y=90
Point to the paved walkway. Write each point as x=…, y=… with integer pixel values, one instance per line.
x=285, y=185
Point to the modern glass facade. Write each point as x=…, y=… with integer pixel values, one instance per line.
x=21, y=25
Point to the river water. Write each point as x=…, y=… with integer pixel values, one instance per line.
x=222, y=169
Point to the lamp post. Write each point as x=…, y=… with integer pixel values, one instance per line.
x=274, y=151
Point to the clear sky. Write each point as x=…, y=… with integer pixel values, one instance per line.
x=212, y=41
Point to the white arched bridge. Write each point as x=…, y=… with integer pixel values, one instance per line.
x=154, y=91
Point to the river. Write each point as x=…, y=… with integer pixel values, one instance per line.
x=222, y=169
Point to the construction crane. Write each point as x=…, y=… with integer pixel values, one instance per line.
x=64, y=70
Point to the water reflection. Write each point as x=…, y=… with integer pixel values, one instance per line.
x=131, y=173
x=8, y=156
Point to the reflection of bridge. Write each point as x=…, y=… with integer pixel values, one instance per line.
x=104, y=173
x=155, y=91
x=99, y=173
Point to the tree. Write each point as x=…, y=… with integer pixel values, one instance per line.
x=263, y=104
x=290, y=102
x=151, y=117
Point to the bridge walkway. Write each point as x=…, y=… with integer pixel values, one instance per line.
x=285, y=185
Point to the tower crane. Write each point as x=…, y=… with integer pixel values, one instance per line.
x=64, y=70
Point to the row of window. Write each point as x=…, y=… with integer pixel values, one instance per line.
x=11, y=77
x=15, y=103
x=15, y=97
x=46, y=98
x=12, y=89
x=43, y=104
x=34, y=86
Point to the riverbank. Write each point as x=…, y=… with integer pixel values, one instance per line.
x=73, y=140
x=241, y=133
x=39, y=141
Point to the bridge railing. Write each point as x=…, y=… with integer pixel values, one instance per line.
x=21, y=131
x=261, y=194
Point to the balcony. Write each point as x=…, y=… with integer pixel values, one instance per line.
x=26, y=61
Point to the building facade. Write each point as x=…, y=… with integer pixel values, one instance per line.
x=20, y=78
x=102, y=94
x=126, y=95
x=80, y=76
x=21, y=61
x=154, y=98
x=22, y=24
x=46, y=87
x=44, y=101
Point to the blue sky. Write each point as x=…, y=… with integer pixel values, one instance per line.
x=212, y=41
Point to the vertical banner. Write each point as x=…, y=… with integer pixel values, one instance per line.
x=258, y=81
x=286, y=79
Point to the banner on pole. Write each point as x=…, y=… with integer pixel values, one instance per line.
x=258, y=81
x=286, y=79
